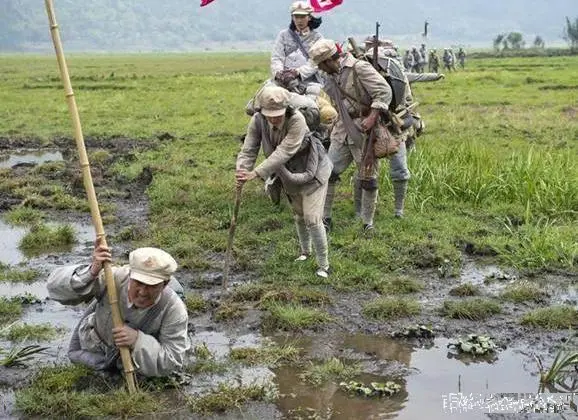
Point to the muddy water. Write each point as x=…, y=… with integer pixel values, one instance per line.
x=12, y=235
x=427, y=376
x=29, y=157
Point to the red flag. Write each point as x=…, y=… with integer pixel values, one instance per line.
x=205, y=2
x=324, y=5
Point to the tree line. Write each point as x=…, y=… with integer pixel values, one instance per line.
x=515, y=40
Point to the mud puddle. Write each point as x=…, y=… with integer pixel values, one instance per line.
x=429, y=375
x=29, y=158
x=11, y=254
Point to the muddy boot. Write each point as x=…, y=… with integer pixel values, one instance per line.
x=319, y=239
x=273, y=188
x=304, y=239
x=357, y=193
x=368, y=202
x=329, y=197
x=399, y=191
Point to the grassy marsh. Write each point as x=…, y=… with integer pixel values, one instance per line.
x=495, y=168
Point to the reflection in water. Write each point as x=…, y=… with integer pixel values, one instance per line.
x=29, y=157
x=433, y=374
x=12, y=235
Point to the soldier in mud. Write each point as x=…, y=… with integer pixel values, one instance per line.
x=360, y=94
x=462, y=58
x=155, y=317
x=299, y=159
x=434, y=61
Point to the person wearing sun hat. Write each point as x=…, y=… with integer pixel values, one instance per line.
x=155, y=317
x=300, y=161
x=361, y=96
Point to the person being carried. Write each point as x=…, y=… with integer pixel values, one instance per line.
x=155, y=317
x=361, y=95
x=290, y=66
x=299, y=159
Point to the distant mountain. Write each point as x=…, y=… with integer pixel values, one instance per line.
x=181, y=25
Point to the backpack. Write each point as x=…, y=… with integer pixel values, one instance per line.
x=392, y=71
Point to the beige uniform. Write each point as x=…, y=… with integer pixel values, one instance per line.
x=279, y=146
x=361, y=81
x=161, y=344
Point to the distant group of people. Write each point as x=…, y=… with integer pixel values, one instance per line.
x=415, y=61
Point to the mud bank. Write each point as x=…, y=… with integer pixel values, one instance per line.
x=428, y=372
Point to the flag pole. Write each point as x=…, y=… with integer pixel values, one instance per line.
x=89, y=187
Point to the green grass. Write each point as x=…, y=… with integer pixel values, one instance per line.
x=24, y=216
x=331, y=369
x=523, y=292
x=272, y=355
x=294, y=317
x=555, y=317
x=225, y=398
x=12, y=275
x=391, y=308
x=195, y=303
x=465, y=289
x=43, y=238
x=476, y=309
x=28, y=332
x=495, y=168
x=399, y=285
x=56, y=392
x=10, y=310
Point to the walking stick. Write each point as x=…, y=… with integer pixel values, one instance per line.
x=89, y=187
x=232, y=227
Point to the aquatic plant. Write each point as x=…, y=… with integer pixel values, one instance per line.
x=18, y=356
x=476, y=345
x=374, y=389
x=564, y=363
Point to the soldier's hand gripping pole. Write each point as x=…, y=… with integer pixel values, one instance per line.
x=89, y=187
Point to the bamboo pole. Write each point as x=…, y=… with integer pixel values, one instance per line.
x=89, y=187
x=232, y=228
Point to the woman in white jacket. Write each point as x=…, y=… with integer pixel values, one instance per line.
x=290, y=55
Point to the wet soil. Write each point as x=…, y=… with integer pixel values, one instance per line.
x=429, y=373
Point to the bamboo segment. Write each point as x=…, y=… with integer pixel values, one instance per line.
x=89, y=187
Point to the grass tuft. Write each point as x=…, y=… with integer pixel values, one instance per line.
x=226, y=398
x=466, y=289
x=391, y=308
x=331, y=369
x=271, y=356
x=399, y=285
x=45, y=238
x=474, y=309
x=523, y=292
x=27, y=332
x=294, y=317
x=554, y=318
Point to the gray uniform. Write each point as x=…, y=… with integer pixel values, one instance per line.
x=347, y=138
x=306, y=191
x=287, y=55
x=162, y=341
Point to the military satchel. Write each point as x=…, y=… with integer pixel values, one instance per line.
x=385, y=143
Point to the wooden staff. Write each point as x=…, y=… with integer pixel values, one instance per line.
x=89, y=187
x=232, y=227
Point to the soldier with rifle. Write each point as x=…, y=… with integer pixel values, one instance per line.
x=362, y=96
